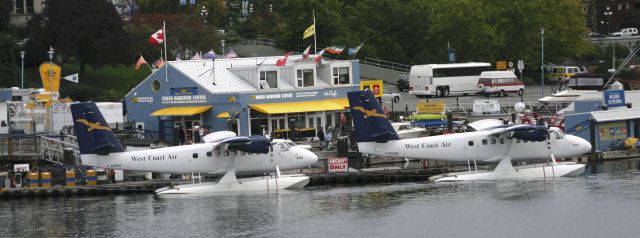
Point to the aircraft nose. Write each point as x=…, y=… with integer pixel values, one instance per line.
x=585, y=146
x=310, y=157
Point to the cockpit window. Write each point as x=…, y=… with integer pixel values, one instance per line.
x=284, y=147
x=558, y=135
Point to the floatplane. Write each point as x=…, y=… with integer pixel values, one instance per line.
x=223, y=153
x=494, y=143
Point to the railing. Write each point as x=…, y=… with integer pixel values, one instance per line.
x=259, y=41
x=52, y=149
x=19, y=148
x=386, y=64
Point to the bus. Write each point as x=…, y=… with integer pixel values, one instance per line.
x=445, y=79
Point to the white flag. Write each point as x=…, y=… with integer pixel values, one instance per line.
x=72, y=78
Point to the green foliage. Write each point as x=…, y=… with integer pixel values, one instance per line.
x=9, y=76
x=94, y=35
x=6, y=6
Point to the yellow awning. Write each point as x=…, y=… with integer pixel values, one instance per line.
x=295, y=107
x=344, y=102
x=223, y=115
x=181, y=111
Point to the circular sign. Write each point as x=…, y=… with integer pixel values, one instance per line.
x=510, y=64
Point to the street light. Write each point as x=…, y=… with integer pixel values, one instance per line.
x=608, y=14
x=203, y=13
x=51, y=52
x=22, y=69
x=542, y=59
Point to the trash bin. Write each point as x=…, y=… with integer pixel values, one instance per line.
x=343, y=146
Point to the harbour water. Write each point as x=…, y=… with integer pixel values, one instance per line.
x=601, y=204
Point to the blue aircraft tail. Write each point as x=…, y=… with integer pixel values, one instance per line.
x=368, y=117
x=94, y=135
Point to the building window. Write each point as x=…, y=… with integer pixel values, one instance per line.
x=19, y=6
x=30, y=7
x=305, y=78
x=270, y=79
x=341, y=75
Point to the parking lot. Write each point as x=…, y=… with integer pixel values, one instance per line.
x=530, y=98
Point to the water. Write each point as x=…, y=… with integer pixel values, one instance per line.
x=605, y=204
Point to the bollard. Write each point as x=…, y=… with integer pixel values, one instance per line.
x=33, y=180
x=45, y=179
x=70, y=176
x=91, y=177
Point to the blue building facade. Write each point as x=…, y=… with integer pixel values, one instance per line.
x=247, y=95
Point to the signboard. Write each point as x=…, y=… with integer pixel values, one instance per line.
x=452, y=55
x=614, y=98
x=183, y=91
x=374, y=85
x=141, y=99
x=430, y=107
x=483, y=107
x=184, y=99
x=19, y=168
x=613, y=131
x=520, y=65
x=49, y=73
x=501, y=65
x=337, y=165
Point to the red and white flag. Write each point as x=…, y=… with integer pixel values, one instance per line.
x=305, y=54
x=196, y=56
x=318, y=56
x=283, y=61
x=140, y=62
x=157, y=38
x=159, y=63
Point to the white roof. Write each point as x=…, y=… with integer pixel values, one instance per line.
x=616, y=115
x=497, y=74
x=226, y=81
x=455, y=65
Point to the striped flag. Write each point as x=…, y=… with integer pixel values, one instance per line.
x=334, y=50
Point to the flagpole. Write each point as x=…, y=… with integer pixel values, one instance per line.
x=147, y=63
x=360, y=46
x=164, y=34
x=315, y=33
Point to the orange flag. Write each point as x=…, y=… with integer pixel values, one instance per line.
x=140, y=62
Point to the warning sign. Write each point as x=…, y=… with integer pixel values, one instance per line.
x=337, y=165
x=430, y=107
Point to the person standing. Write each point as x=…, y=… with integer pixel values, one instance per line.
x=181, y=135
x=327, y=138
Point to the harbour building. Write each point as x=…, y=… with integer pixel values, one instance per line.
x=250, y=96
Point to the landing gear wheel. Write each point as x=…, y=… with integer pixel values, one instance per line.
x=520, y=92
x=501, y=93
x=446, y=92
x=396, y=99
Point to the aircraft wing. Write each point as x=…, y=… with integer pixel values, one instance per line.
x=524, y=132
x=251, y=144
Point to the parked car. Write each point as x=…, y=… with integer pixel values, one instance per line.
x=403, y=83
x=626, y=32
x=560, y=73
x=499, y=83
x=391, y=97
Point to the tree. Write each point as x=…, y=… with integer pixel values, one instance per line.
x=8, y=65
x=6, y=6
x=94, y=35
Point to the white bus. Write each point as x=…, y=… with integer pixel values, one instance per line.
x=445, y=79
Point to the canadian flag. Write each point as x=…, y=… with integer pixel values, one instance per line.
x=283, y=61
x=157, y=38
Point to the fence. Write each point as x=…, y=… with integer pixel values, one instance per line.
x=386, y=64
x=259, y=41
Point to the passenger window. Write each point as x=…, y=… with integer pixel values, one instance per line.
x=501, y=140
x=209, y=153
x=493, y=141
x=226, y=152
x=470, y=143
x=484, y=141
x=195, y=155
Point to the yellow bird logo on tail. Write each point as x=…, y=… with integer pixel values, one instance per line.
x=370, y=113
x=93, y=126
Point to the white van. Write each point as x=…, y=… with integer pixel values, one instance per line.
x=626, y=32
x=500, y=83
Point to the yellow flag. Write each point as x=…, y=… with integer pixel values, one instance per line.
x=309, y=31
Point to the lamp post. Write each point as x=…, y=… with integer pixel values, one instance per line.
x=22, y=53
x=542, y=59
x=51, y=52
x=203, y=13
x=222, y=43
x=607, y=13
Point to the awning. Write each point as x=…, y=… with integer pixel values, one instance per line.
x=295, y=107
x=344, y=102
x=224, y=115
x=181, y=111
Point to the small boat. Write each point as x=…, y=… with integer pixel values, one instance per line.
x=408, y=130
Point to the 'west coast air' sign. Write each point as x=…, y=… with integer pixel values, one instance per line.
x=614, y=98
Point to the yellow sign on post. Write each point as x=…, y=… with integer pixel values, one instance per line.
x=430, y=107
x=376, y=86
x=50, y=73
x=501, y=65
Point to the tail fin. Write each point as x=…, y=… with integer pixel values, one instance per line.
x=94, y=135
x=368, y=117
